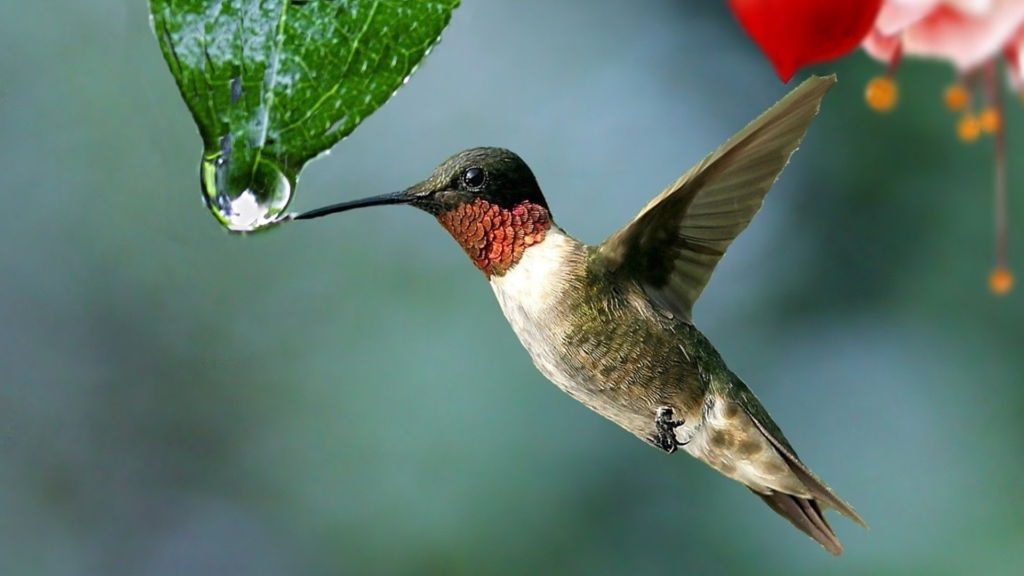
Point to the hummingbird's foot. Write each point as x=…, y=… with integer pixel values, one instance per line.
x=666, y=426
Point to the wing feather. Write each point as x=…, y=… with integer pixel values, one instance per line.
x=674, y=244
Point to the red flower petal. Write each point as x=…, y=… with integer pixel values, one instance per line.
x=794, y=33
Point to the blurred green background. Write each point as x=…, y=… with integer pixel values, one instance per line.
x=345, y=396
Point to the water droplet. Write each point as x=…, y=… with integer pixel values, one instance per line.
x=340, y=123
x=245, y=196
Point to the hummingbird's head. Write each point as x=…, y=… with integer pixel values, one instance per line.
x=487, y=198
x=496, y=176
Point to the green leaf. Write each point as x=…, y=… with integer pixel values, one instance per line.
x=273, y=83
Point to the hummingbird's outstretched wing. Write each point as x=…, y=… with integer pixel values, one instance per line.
x=674, y=244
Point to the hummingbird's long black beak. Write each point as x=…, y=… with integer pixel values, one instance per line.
x=403, y=197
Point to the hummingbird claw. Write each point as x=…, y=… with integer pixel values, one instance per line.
x=666, y=426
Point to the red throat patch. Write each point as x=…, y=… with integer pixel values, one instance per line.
x=495, y=237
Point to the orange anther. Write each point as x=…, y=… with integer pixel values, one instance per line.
x=882, y=94
x=1000, y=281
x=990, y=119
x=957, y=97
x=968, y=128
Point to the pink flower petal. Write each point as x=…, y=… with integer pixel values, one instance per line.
x=976, y=7
x=896, y=15
x=965, y=40
x=881, y=47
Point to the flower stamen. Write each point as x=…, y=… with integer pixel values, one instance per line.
x=882, y=94
x=990, y=120
x=1001, y=279
x=957, y=97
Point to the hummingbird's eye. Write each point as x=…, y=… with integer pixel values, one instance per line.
x=474, y=178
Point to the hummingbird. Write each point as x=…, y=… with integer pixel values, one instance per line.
x=611, y=324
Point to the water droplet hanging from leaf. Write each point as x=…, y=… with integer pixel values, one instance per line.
x=272, y=84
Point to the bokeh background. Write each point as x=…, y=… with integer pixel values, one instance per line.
x=344, y=397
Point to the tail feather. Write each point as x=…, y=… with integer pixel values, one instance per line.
x=746, y=445
x=764, y=423
x=806, y=515
x=815, y=485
